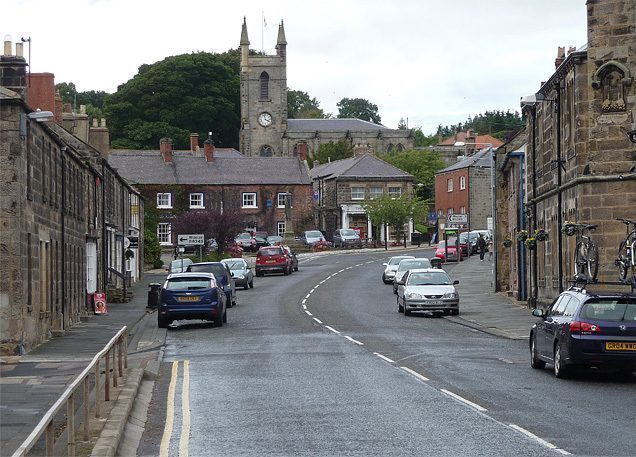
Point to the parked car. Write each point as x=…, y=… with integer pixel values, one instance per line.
x=274, y=240
x=346, y=238
x=223, y=277
x=245, y=241
x=311, y=237
x=260, y=241
x=210, y=246
x=473, y=235
x=440, y=252
x=409, y=264
x=463, y=245
x=240, y=271
x=191, y=296
x=179, y=266
x=260, y=233
x=427, y=289
x=585, y=329
x=272, y=259
x=391, y=267
x=292, y=257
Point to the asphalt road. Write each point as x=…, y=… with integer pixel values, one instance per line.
x=321, y=363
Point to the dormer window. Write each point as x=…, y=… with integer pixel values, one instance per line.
x=264, y=95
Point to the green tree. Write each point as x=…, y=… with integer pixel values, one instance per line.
x=394, y=212
x=93, y=100
x=332, y=151
x=196, y=92
x=358, y=108
x=152, y=248
x=421, y=163
x=301, y=106
x=501, y=125
x=222, y=226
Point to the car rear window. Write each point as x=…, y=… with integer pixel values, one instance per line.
x=270, y=251
x=347, y=233
x=610, y=310
x=313, y=234
x=412, y=264
x=428, y=279
x=188, y=283
x=216, y=269
x=396, y=260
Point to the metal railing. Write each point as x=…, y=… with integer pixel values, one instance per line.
x=117, y=350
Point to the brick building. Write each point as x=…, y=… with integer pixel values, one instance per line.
x=463, y=144
x=580, y=162
x=173, y=181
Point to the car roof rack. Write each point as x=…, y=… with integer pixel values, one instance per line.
x=585, y=282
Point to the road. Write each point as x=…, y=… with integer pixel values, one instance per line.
x=321, y=363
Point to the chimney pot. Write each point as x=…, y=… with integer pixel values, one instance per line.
x=165, y=146
x=7, y=46
x=19, y=49
x=208, y=149
x=194, y=142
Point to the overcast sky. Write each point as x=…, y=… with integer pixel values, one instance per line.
x=431, y=61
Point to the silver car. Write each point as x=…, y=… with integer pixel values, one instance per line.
x=391, y=267
x=406, y=265
x=241, y=272
x=427, y=289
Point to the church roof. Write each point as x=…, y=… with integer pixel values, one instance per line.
x=480, y=159
x=229, y=167
x=332, y=125
x=364, y=166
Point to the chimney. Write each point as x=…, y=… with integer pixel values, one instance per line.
x=194, y=142
x=560, y=57
x=360, y=149
x=165, y=146
x=571, y=49
x=41, y=93
x=13, y=70
x=302, y=151
x=99, y=138
x=208, y=149
x=59, y=107
x=470, y=135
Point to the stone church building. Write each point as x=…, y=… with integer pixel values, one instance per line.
x=267, y=132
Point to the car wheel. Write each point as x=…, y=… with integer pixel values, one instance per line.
x=395, y=289
x=454, y=312
x=225, y=316
x=252, y=284
x=246, y=286
x=162, y=322
x=384, y=279
x=447, y=312
x=296, y=268
x=561, y=370
x=407, y=312
x=233, y=303
x=535, y=362
x=259, y=274
x=400, y=307
x=285, y=271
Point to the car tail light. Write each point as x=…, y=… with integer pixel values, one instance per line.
x=584, y=328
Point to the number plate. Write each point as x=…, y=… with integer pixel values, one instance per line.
x=616, y=346
x=434, y=302
x=189, y=298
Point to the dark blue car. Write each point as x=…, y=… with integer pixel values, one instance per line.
x=585, y=329
x=223, y=276
x=191, y=296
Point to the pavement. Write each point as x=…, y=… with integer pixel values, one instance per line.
x=31, y=383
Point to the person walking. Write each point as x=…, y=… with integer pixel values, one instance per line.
x=481, y=247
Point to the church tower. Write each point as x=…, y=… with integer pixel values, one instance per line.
x=263, y=98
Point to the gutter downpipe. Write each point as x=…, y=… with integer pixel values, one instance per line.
x=63, y=150
x=533, y=258
x=559, y=182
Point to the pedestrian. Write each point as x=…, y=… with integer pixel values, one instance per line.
x=491, y=248
x=481, y=247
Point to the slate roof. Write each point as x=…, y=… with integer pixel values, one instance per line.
x=227, y=168
x=479, y=140
x=332, y=125
x=480, y=159
x=364, y=166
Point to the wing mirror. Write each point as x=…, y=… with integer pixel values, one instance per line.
x=385, y=264
x=538, y=312
x=456, y=282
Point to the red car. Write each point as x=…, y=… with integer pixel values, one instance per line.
x=273, y=259
x=463, y=245
x=440, y=252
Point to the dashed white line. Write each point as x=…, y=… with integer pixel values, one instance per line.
x=539, y=440
x=463, y=400
x=386, y=359
x=340, y=271
x=332, y=329
x=312, y=291
x=323, y=281
x=359, y=343
x=304, y=301
x=415, y=373
x=501, y=359
x=304, y=306
x=308, y=313
x=317, y=320
x=307, y=296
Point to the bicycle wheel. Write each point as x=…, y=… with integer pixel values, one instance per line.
x=592, y=260
x=623, y=261
x=586, y=260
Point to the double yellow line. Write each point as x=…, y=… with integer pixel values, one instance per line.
x=184, y=439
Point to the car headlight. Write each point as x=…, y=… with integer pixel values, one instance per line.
x=241, y=277
x=451, y=295
x=413, y=295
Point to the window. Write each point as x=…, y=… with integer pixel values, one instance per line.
x=264, y=95
x=250, y=227
x=449, y=185
x=390, y=147
x=375, y=192
x=357, y=193
x=462, y=210
x=164, y=200
x=462, y=182
x=440, y=212
x=395, y=192
x=196, y=200
x=266, y=151
x=280, y=197
x=164, y=233
x=280, y=228
x=450, y=211
x=249, y=200
x=399, y=147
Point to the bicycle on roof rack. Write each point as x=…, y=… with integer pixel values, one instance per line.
x=626, y=259
x=586, y=253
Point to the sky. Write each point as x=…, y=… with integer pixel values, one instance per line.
x=429, y=62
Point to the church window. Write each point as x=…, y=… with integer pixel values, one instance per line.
x=390, y=147
x=399, y=147
x=266, y=151
x=264, y=86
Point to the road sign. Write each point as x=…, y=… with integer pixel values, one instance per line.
x=454, y=226
x=458, y=218
x=196, y=239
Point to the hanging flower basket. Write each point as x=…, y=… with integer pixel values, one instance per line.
x=540, y=235
x=531, y=242
x=507, y=242
x=129, y=254
x=522, y=235
x=569, y=228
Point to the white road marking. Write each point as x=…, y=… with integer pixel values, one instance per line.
x=185, y=411
x=167, y=430
x=463, y=400
x=308, y=313
x=501, y=359
x=304, y=301
x=317, y=320
x=340, y=271
x=332, y=329
x=539, y=440
x=323, y=281
x=415, y=373
x=307, y=296
x=360, y=343
x=316, y=286
x=304, y=306
x=312, y=291
x=386, y=359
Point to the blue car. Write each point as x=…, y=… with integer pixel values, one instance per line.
x=223, y=277
x=191, y=296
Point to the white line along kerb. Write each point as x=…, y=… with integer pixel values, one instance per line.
x=415, y=373
x=386, y=359
x=317, y=320
x=539, y=440
x=360, y=343
x=332, y=329
x=463, y=400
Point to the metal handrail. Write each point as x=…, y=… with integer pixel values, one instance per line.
x=119, y=347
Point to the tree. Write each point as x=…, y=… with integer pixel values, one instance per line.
x=223, y=227
x=358, y=108
x=328, y=152
x=196, y=92
x=496, y=123
x=394, y=212
x=421, y=163
x=301, y=106
x=422, y=140
x=93, y=100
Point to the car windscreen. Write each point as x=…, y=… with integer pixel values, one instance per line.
x=272, y=251
x=428, y=279
x=313, y=234
x=347, y=233
x=235, y=264
x=619, y=309
x=217, y=269
x=188, y=284
x=412, y=264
